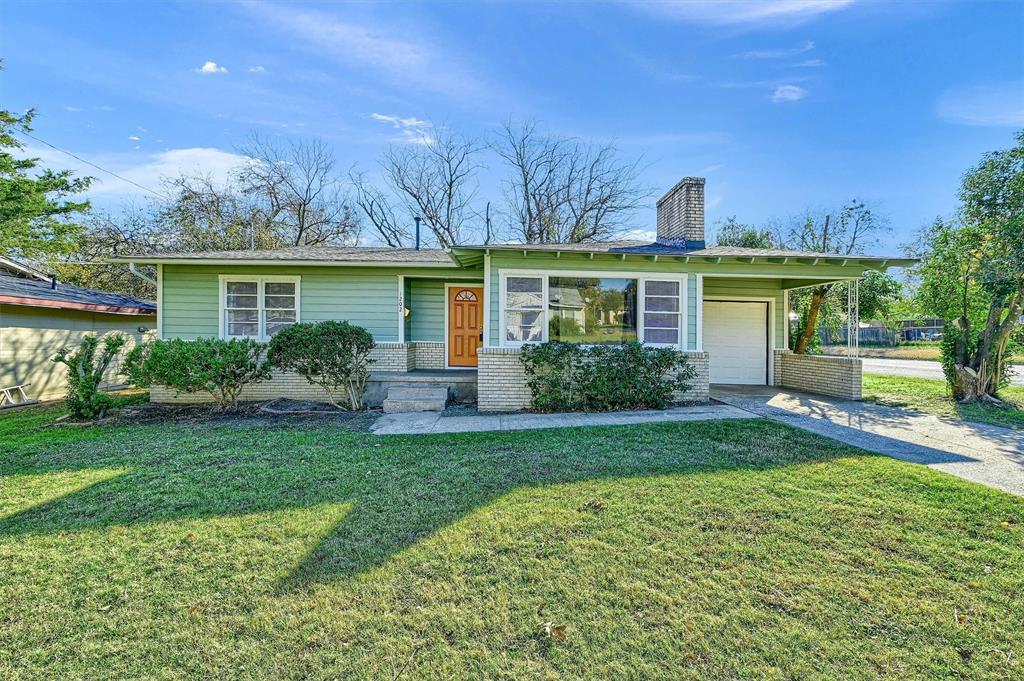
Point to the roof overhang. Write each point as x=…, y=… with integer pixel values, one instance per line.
x=70, y=305
x=157, y=260
x=469, y=256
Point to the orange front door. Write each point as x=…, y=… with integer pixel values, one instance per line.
x=465, y=324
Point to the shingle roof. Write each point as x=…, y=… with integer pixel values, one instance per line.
x=657, y=248
x=327, y=254
x=41, y=294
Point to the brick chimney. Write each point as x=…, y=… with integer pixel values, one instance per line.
x=681, y=214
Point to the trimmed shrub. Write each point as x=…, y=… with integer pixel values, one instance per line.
x=574, y=377
x=221, y=368
x=85, y=373
x=332, y=355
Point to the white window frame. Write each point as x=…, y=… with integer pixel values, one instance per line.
x=260, y=281
x=641, y=277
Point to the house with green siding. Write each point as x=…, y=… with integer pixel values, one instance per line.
x=456, y=319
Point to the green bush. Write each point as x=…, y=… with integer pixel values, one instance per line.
x=574, y=377
x=333, y=355
x=85, y=373
x=221, y=368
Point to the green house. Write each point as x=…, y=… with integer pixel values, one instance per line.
x=457, y=319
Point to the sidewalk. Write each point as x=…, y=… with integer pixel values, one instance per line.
x=418, y=423
x=986, y=454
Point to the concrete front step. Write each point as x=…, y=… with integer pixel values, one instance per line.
x=433, y=392
x=402, y=399
x=400, y=406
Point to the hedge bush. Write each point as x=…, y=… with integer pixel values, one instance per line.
x=575, y=377
x=221, y=368
x=85, y=373
x=333, y=355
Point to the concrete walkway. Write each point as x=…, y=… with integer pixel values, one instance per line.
x=920, y=368
x=418, y=423
x=989, y=455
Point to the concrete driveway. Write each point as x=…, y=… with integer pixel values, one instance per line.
x=988, y=455
x=922, y=369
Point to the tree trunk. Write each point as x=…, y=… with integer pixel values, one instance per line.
x=811, y=327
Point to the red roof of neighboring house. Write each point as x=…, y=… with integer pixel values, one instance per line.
x=34, y=293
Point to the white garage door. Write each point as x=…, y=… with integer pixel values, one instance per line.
x=736, y=340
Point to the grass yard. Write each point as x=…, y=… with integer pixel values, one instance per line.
x=294, y=549
x=932, y=397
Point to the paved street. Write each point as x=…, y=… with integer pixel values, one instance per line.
x=922, y=369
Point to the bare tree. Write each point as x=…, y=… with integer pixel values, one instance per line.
x=377, y=208
x=564, y=190
x=436, y=180
x=852, y=229
x=297, y=191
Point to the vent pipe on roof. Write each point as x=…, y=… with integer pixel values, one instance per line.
x=417, y=219
x=53, y=281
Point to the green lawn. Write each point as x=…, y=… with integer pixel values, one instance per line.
x=298, y=549
x=932, y=397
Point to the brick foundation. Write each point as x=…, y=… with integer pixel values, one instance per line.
x=501, y=380
x=821, y=374
x=427, y=355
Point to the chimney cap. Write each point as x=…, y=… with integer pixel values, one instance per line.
x=678, y=185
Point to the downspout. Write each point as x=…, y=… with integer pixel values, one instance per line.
x=138, y=273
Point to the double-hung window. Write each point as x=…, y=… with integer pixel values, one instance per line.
x=257, y=307
x=662, y=311
x=524, y=309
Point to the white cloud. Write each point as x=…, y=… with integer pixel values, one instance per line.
x=150, y=172
x=990, y=104
x=408, y=59
x=72, y=108
x=211, y=67
x=739, y=12
x=134, y=138
x=782, y=53
x=810, y=63
x=788, y=93
x=410, y=129
x=256, y=69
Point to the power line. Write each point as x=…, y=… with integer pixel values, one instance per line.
x=90, y=163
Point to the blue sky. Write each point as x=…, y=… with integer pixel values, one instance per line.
x=783, y=106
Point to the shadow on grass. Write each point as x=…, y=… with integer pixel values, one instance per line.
x=402, y=488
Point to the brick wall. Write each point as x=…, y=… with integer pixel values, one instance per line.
x=698, y=391
x=681, y=211
x=825, y=375
x=427, y=355
x=501, y=380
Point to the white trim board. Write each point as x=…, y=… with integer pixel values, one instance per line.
x=159, y=302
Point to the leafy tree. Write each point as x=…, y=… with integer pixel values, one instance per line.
x=853, y=227
x=733, y=233
x=972, y=273
x=37, y=215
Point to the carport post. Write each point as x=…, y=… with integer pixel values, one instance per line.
x=853, y=318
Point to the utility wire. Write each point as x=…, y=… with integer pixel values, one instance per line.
x=90, y=163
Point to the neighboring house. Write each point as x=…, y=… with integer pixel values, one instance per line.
x=473, y=307
x=39, y=316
